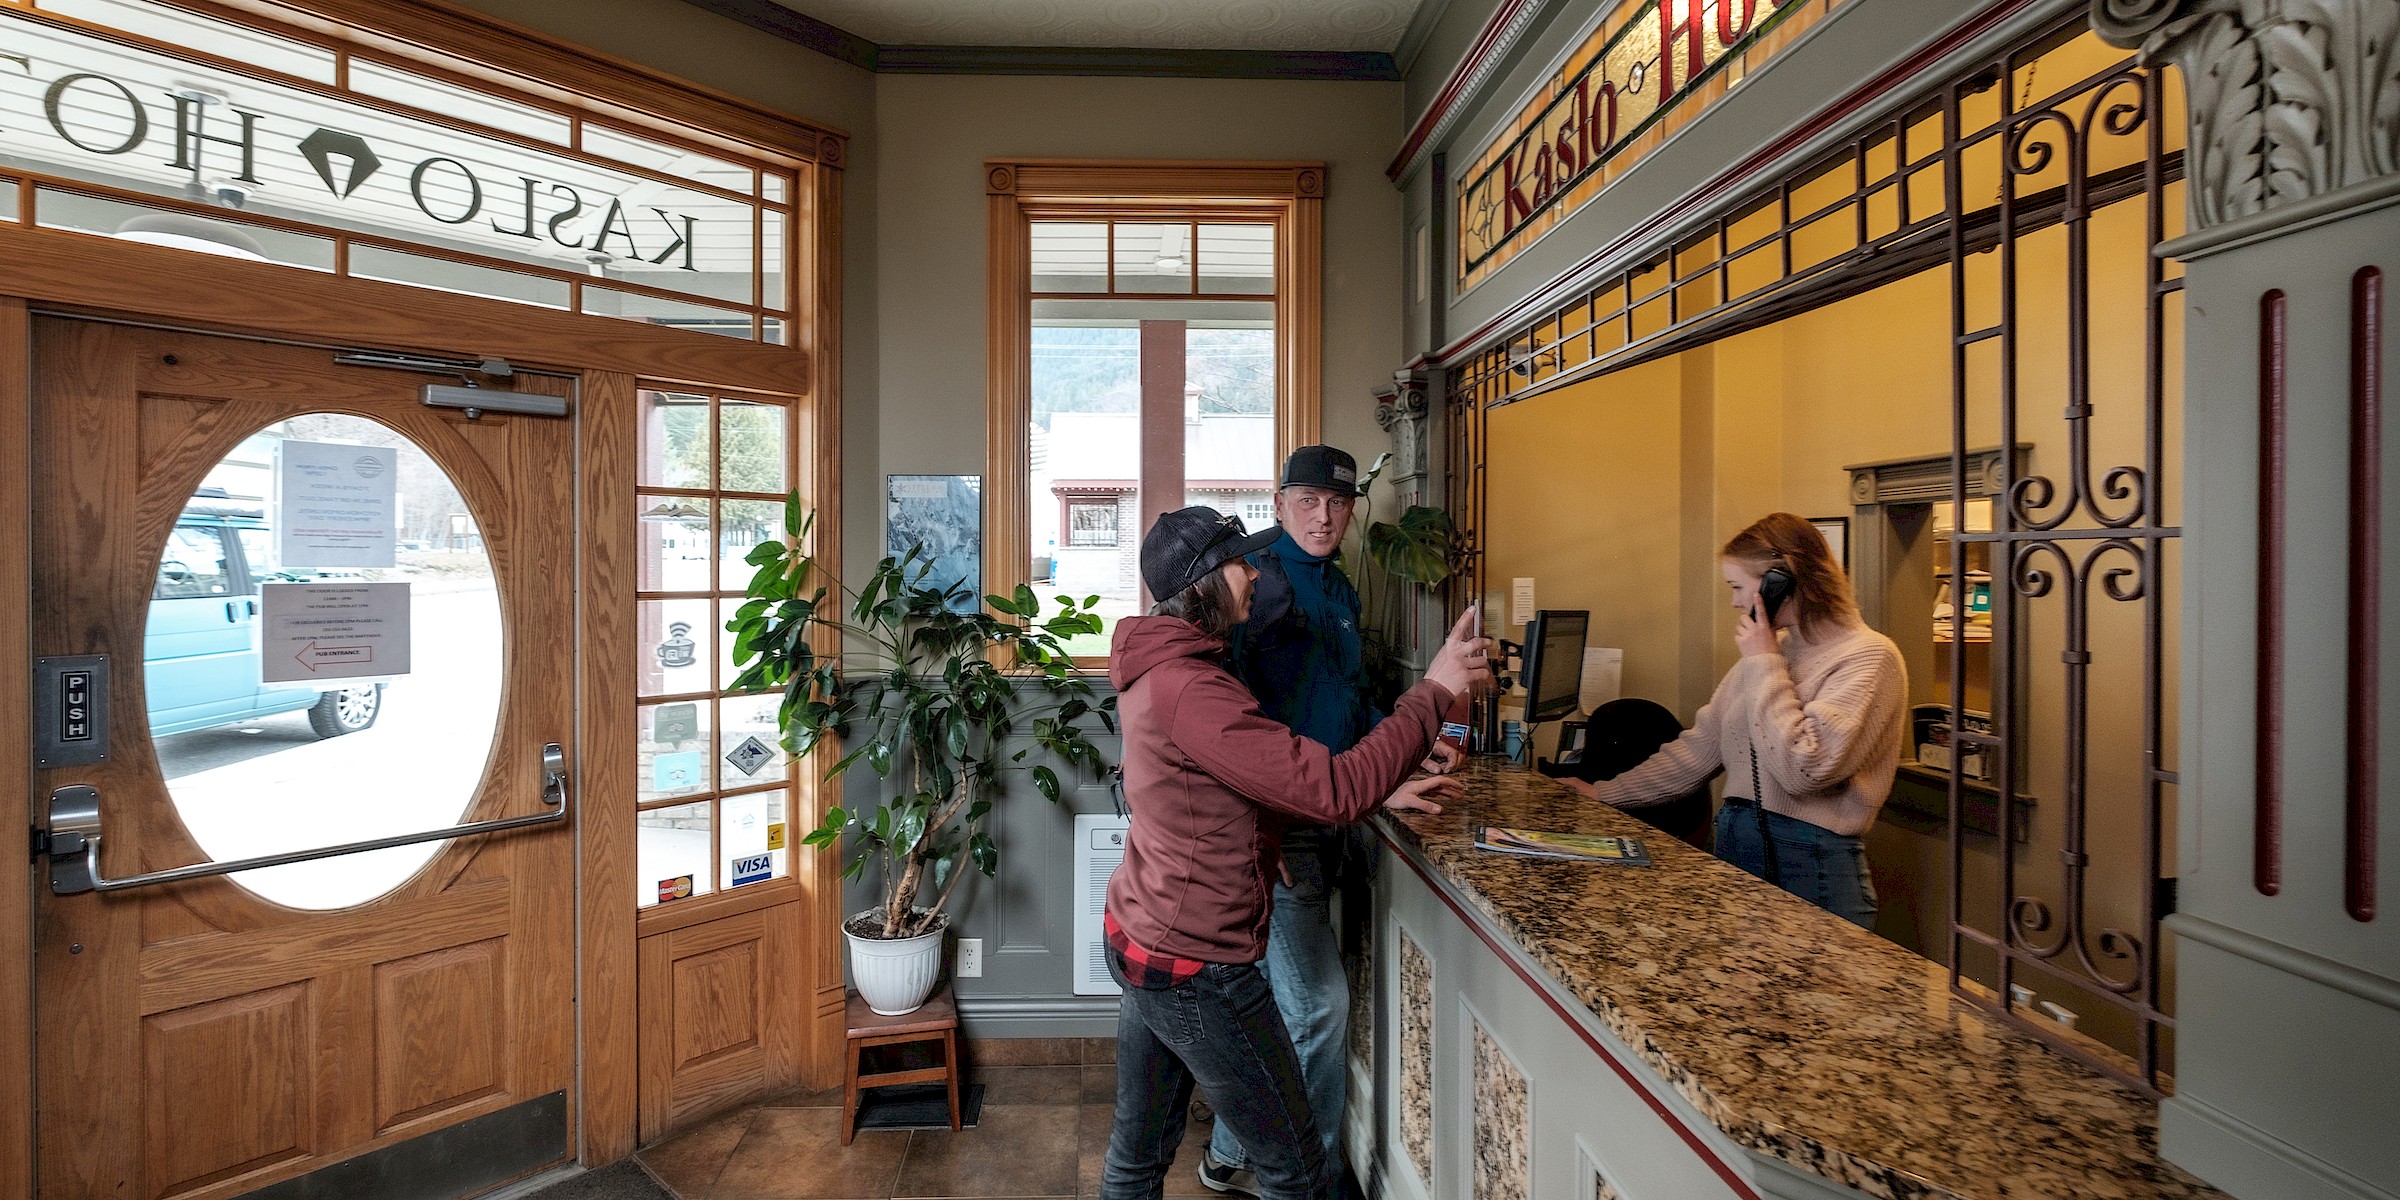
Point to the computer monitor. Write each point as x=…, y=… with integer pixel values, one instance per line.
x=1554, y=662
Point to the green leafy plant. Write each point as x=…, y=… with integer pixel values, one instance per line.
x=1420, y=550
x=928, y=697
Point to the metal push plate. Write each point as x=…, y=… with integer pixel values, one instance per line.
x=70, y=710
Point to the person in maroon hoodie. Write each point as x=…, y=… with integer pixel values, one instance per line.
x=1211, y=778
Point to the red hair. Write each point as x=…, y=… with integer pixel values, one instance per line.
x=1783, y=540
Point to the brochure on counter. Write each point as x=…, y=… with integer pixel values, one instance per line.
x=1577, y=847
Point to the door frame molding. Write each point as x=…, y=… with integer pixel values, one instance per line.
x=16, y=730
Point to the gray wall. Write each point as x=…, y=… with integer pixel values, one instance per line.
x=1024, y=913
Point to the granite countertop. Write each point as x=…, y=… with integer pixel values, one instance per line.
x=1800, y=1035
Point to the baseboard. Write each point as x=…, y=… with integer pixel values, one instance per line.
x=1037, y=1016
x=2248, y=1162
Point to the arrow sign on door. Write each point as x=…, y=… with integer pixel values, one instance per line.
x=313, y=656
x=312, y=632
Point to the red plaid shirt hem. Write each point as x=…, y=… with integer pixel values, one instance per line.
x=1140, y=967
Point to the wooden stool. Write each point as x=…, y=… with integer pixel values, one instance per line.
x=936, y=1021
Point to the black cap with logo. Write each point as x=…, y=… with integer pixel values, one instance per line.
x=1187, y=544
x=1321, y=467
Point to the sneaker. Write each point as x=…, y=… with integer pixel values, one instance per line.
x=1222, y=1176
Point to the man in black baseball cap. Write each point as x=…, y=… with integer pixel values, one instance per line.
x=1323, y=467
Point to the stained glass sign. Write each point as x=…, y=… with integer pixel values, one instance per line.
x=1614, y=98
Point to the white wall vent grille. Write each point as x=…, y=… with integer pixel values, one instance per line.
x=1099, y=847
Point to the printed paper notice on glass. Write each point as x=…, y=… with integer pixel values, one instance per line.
x=336, y=505
x=312, y=632
x=1580, y=847
x=1520, y=602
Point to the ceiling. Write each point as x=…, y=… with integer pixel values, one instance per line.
x=1354, y=25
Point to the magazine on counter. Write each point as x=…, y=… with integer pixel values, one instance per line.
x=1579, y=847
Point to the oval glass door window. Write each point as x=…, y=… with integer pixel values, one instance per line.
x=323, y=657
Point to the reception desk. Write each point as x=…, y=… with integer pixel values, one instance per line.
x=1563, y=1030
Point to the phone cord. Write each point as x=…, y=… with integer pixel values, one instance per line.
x=1758, y=805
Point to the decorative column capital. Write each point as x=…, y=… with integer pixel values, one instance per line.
x=1400, y=408
x=2288, y=99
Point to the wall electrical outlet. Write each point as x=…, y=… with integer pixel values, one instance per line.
x=970, y=958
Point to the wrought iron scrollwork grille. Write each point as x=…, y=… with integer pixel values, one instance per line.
x=2088, y=538
x=2082, y=539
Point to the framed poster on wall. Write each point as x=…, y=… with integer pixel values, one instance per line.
x=944, y=515
x=1837, y=538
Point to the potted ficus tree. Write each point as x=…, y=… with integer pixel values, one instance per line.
x=947, y=701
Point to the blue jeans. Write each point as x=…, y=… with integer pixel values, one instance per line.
x=1304, y=966
x=1219, y=1031
x=1825, y=868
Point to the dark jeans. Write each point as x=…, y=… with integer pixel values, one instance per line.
x=1304, y=966
x=1219, y=1030
x=1825, y=868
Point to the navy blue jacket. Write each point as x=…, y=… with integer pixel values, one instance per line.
x=1299, y=652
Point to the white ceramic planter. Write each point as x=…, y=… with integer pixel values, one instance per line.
x=894, y=977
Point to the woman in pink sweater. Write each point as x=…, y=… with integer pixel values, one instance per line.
x=1809, y=723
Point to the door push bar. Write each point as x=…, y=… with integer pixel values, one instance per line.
x=74, y=838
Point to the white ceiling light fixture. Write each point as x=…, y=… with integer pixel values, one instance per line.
x=184, y=232
x=1171, y=249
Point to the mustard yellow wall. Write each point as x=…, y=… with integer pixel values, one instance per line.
x=1593, y=509
x=1614, y=495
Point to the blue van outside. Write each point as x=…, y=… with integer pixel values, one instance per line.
x=200, y=651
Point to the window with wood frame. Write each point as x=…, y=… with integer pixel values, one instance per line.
x=712, y=780
x=1154, y=342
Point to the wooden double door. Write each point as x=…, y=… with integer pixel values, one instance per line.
x=201, y=1039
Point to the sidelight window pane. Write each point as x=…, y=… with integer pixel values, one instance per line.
x=741, y=526
x=673, y=758
x=672, y=544
x=750, y=447
x=674, y=636
x=672, y=853
x=749, y=748
x=753, y=841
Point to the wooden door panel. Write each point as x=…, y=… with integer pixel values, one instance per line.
x=187, y=970
x=717, y=993
x=259, y=1042
x=714, y=1016
x=439, y=1039
x=227, y=1088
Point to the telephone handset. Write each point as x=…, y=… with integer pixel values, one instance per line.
x=1775, y=587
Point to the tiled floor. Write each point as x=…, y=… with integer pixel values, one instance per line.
x=1043, y=1133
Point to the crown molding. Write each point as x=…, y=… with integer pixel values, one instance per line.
x=1134, y=61
x=1500, y=35
x=831, y=40
x=824, y=37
